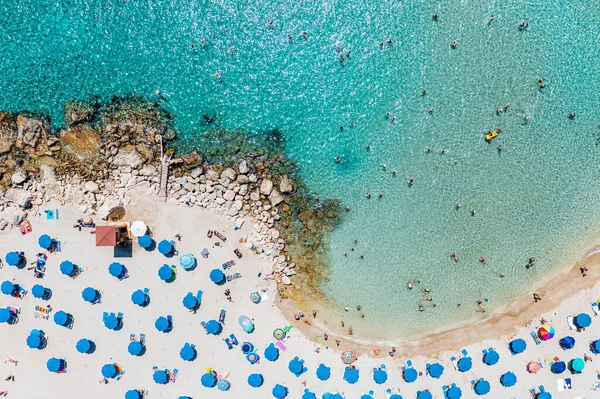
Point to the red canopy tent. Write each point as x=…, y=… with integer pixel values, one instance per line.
x=106, y=236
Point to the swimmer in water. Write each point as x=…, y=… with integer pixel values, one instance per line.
x=384, y=166
x=500, y=149
x=453, y=44
x=457, y=205
x=410, y=286
x=472, y=212
x=337, y=159
x=368, y=195
x=411, y=181
x=368, y=146
x=423, y=92
x=523, y=25
x=430, y=110
x=572, y=115
x=434, y=17
x=394, y=172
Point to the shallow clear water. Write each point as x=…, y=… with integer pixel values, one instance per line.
x=539, y=198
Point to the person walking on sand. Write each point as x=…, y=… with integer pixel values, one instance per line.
x=536, y=297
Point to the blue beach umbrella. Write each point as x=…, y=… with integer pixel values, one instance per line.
x=508, y=379
x=223, y=385
x=54, y=365
x=208, y=380
x=160, y=377
x=13, y=259
x=84, y=345
x=491, y=358
x=109, y=370
x=111, y=322
x=424, y=395
x=133, y=394
x=366, y=396
x=279, y=391
x=61, y=318
x=190, y=301
x=436, y=370
x=295, y=366
x=351, y=375
x=395, y=396
x=67, y=268
x=45, y=241
x=116, y=269
x=165, y=247
x=255, y=380
x=5, y=315
x=380, y=376
x=139, y=298
x=8, y=288
x=217, y=276
x=465, y=364
x=165, y=272
x=145, y=241
x=482, y=387
x=89, y=294
x=583, y=320
x=271, y=353
x=323, y=372
x=567, y=342
x=309, y=395
x=410, y=374
x=334, y=396
x=544, y=395
x=188, y=352
x=34, y=341
x=213, y=327
x=558, y=367
x=41, y=292
x=453, y=393
x=187, y=261
x=162, y=324
x=517, y=346
x=135, y=348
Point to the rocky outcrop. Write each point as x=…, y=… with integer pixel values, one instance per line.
x=285, y=185
x=31, y=130
x=8, y=132
x=81, y=141
x=130, y=158
x=266, y=187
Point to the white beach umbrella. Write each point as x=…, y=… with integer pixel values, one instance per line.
x=138, y=228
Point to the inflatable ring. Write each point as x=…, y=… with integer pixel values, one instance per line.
x=377, y=351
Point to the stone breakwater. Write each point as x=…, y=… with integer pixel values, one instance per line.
x=106, y=150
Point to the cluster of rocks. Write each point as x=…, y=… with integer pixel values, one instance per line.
x=98, y=159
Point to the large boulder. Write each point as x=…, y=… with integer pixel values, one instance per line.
x=81, y=141
x=243, y=167
x=77, y=111
x=191, y=160
x=8, y=132
x=285, y=185
x=275, y=198
x=129, y=158
x=266, y=187
x=229, y=173
x=19, y=177
x=32, y=130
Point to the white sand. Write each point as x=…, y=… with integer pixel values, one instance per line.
x=32, y=380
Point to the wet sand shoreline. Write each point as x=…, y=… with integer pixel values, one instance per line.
x=563, y=283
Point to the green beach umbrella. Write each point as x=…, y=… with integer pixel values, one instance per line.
x=577, y=364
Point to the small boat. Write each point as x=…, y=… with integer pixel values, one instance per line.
x=491, y=135
x=220, y=235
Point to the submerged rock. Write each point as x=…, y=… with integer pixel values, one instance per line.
x=191, y=160
x=77, y=111
x=275, y=198
x=243, y=167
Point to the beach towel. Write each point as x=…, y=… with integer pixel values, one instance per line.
x=25, y=227
x=571, y=323
x=595, y=308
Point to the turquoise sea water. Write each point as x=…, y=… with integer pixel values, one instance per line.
x=539, y=198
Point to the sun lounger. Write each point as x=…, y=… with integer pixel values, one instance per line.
x=228, y=342
x=571, y=323
x=221, y=236
x=535, y=337
x=234, y=340
x=142, y=338
x=233, y=276
x=222, y=316
x=595, y=308
x=173, y=376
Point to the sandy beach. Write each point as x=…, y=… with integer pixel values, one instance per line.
x=33, y=380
